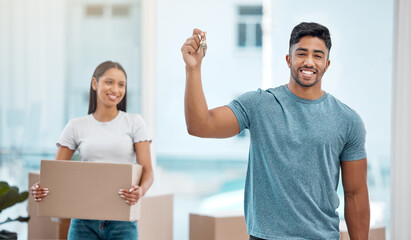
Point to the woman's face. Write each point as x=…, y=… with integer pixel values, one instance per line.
x=110, y=88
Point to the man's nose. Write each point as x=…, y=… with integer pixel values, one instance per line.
x=309, y=62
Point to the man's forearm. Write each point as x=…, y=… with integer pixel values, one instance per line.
x=357, y=214
x=195, y=104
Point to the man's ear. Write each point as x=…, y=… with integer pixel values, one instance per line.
x=327, y=65
x=288, y=59
x=94, y=83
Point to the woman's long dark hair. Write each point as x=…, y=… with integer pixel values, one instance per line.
x=100, y=70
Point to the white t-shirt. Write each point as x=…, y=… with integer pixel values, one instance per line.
x=111, y=141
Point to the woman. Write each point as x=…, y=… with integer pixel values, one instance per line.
x=107, y=134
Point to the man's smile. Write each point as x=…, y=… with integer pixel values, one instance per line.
x=307, y=72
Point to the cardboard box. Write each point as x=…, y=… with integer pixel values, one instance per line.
x=231, y=226
x=156, y=221
x=156, y=218
x=218, y=226
x=376, y=232
x=39, y=227
x=88, y=190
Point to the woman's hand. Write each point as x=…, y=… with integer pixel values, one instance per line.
x=38, y=192
x=132, y=195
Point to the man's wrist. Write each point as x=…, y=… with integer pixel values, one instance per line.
x=193, y=69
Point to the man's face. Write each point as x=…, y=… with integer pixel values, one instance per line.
x=308, y=61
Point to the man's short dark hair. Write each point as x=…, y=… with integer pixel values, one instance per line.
x=310, y=29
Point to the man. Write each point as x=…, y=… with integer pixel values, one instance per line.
x=300, y=138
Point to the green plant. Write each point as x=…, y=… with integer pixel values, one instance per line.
x=10, y=196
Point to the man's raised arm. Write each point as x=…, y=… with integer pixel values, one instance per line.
x=201, y=122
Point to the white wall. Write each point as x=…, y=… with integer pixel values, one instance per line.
x=32, y=65
x=401, y=125
x=227, y=72
x=40, y=42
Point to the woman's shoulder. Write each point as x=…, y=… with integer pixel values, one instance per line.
x=79, y=121
x=132, y=117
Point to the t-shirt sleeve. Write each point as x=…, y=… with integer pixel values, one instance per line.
x=68, y=137
x=140, y=131
x=354, y=148
x=243, y=106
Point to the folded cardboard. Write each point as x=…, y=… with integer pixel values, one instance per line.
x=218, y=226
x=88, y=190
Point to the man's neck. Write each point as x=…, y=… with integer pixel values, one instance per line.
x=310, y=93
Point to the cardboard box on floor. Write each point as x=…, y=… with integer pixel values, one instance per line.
x=218, y=226
x=88, y=190
x=376, y=232
x=156, y=218
x=231, y=226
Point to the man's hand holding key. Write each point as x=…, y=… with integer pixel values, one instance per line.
x=194, y=49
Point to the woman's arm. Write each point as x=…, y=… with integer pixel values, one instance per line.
x=64, y=153
x=132, y=195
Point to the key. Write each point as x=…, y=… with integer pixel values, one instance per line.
x=203, y=45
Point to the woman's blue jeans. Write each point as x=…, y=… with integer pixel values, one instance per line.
x=102, y=230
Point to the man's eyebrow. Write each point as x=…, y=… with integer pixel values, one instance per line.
x=319, y=51
x=302, y=49
x=306, y=50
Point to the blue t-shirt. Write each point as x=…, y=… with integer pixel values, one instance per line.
x=294, y=161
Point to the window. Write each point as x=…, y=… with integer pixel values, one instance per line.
x=120, y=10
x=95, y=10
x=249, y=27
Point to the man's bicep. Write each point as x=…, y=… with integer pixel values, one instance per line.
x=224, y=123
x=354, y=175
x=354, y=147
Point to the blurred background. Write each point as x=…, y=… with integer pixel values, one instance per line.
x=50, y=48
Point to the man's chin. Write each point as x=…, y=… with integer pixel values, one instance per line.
x=306, y=84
